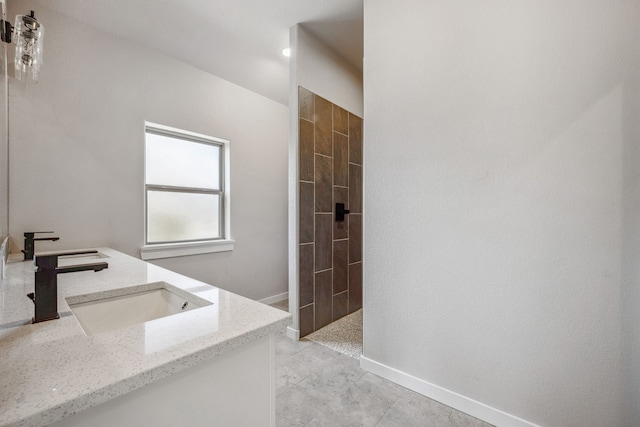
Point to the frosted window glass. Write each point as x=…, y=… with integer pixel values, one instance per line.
x=181, y=163
x=182, y=216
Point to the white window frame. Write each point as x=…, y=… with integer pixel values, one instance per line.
x=169, y=250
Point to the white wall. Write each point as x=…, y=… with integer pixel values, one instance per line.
x=631, y=231
x=497, y=203
x=316, y=67
x=321, y=70
x=77, y=141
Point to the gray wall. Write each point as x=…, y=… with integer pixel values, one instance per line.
x=501, y=188
x=631, y=228
x=77, y=140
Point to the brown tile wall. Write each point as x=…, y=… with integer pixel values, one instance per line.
x=330, y=255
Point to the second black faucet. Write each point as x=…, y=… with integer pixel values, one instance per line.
x=29, y=239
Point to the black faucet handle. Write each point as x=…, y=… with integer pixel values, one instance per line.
x=30, y=234
x=96, y=266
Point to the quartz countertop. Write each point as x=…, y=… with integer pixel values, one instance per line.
x=51, y=370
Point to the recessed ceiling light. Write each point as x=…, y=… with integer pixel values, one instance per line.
x=286, y=52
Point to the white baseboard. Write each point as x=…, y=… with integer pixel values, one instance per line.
x=450, y=398
x=294, y=334
x=275, y=298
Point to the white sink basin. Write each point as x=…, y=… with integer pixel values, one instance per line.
x=64, y=261
x=119, y=308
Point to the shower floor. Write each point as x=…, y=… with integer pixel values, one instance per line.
x=344, y=335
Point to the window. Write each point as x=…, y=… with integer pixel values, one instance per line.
x=186, y=193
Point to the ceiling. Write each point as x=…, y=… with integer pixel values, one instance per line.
x=238, y=40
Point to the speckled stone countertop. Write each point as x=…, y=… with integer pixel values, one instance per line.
x=51, y=370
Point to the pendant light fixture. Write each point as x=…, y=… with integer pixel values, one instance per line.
x=28, y=36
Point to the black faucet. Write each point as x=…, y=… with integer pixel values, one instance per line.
x=45, y=296
x=29, y=239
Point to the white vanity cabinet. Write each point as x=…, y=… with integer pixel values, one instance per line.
x=209, y=366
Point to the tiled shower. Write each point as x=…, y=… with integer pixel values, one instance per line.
x=330, y=255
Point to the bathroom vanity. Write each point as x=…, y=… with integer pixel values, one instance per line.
x=135, y=345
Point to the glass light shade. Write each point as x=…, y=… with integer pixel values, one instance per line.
x=29, y=38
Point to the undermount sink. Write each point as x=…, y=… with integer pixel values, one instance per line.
x=80, y=259
x=107, y=311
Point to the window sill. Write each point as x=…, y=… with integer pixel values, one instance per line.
x=172, y=250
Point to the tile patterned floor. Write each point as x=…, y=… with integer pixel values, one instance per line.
x=317, y=386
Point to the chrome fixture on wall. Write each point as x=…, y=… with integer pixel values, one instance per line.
x=28, y=36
